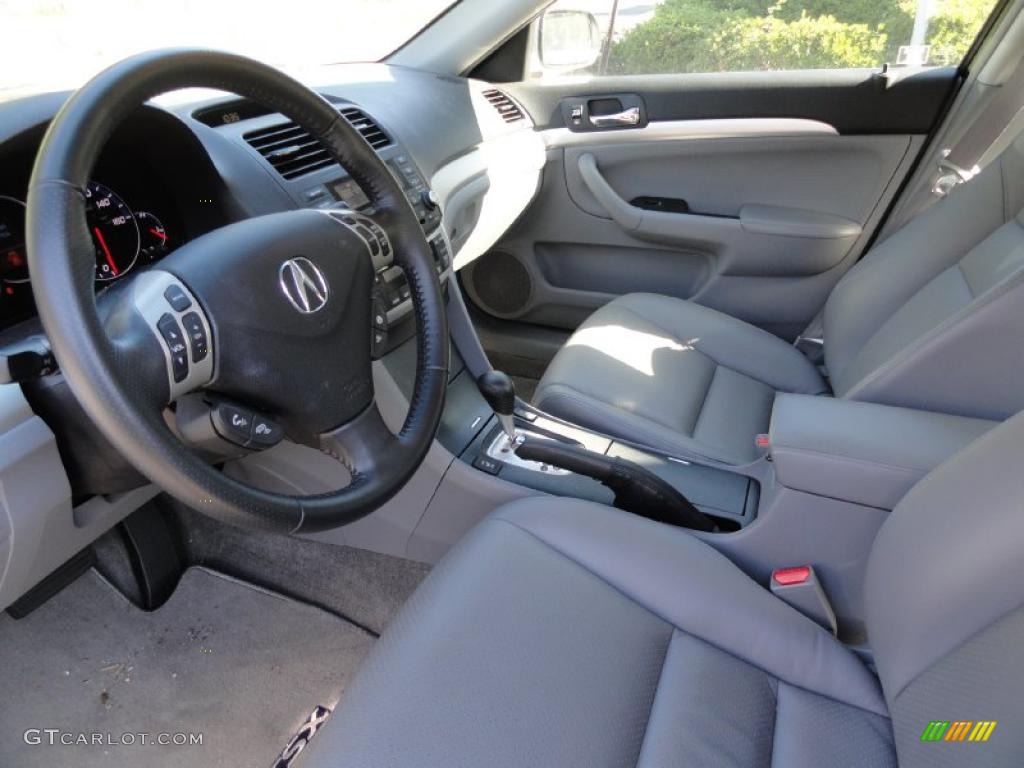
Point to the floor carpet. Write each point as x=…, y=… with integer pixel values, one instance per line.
x=241, y=666
x=366, y=588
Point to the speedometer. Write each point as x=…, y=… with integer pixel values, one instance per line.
x=13, y=262
x=115, y=232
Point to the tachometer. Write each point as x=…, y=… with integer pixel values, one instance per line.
x=13, y=264
x=115, y=232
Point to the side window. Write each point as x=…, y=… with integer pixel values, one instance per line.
x=642, y=37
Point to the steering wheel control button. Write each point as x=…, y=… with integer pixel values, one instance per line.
x=177, y=299
x=372, y=235
x=379, y=344
x=196, y=332
x=175, y=341
x=266, y=433
x=245, y=428
x=233, y=423
x=380, y=314
x=157, y=297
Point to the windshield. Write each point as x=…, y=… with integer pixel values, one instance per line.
x=57, y=44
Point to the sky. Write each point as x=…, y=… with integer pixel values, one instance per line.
x=61, y=43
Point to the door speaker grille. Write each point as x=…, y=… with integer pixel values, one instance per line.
x=501, y=283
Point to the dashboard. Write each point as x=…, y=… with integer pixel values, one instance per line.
x=191, y=162
x=178, y=168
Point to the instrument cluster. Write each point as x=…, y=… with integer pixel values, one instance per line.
x=124, y=240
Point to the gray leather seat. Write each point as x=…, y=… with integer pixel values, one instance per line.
x=674, y=375
x=563, y=633
x=929, y=319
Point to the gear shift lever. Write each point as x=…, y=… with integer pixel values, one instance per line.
x=500, y=393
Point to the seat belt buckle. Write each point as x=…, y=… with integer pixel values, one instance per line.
x=812, y=347
x=800, y=588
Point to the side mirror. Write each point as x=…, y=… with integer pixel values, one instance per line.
x=568, y=40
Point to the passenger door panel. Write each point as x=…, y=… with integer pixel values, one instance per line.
x=763, y=207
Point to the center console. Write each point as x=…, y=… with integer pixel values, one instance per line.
x=576, y=462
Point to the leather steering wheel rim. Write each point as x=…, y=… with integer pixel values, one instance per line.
x=104, y=370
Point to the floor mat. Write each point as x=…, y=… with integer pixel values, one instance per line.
x=365, y=587
x=239, y=666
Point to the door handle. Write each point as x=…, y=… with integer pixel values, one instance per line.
x=629, y=116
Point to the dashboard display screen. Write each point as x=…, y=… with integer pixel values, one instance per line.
x=351, y=194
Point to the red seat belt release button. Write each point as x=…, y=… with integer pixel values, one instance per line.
x=799, y=586
x=787, y=577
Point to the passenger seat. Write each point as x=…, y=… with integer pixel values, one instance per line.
x=932, y=318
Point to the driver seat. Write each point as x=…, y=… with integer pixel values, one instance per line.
x=563, y=633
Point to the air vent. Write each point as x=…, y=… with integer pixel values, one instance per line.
x=294, y=153
x=372, y=132
x=290, y=149
x=508, y=109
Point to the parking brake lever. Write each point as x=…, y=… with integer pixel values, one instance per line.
x=636, y=489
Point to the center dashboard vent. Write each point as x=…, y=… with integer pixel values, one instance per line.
x=290, y=149
x=508, y=109
x=294, y=152
x=372, y=132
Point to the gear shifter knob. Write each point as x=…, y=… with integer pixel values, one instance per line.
x=500, y=393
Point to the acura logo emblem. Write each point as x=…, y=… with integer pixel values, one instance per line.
x=303, y=284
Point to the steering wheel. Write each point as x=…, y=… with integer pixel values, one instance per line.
x=283, y=301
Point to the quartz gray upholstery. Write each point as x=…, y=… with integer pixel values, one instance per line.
x=948, y=287
x=563, y=633
x=945, y=602
x=674, y=375
x=546, y=639
x=864, y=453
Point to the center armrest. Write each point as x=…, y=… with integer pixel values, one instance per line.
x=860, y=452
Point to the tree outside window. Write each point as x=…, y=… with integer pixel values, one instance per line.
x=682, y=36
